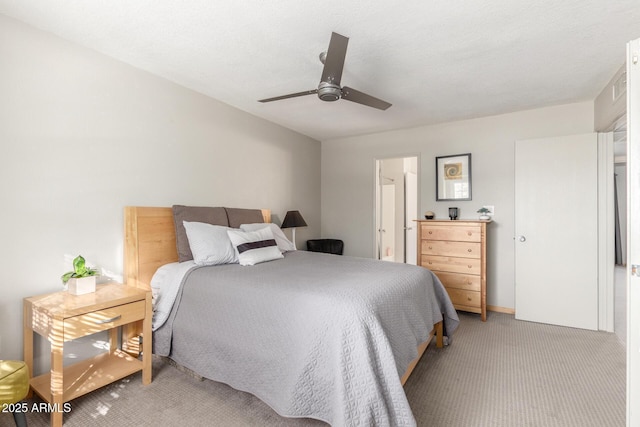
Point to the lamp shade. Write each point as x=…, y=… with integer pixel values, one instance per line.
x=293, y=219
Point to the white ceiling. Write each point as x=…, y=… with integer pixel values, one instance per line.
x=435, y=61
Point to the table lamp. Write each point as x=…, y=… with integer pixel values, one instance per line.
x=292, y=220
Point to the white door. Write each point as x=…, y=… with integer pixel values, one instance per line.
x=633, y=233
x=556, y=225
x=388, y=223
x=410, y=216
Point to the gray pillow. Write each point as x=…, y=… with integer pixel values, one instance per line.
x=237, y=217
x=208, y=215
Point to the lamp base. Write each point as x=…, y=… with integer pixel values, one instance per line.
x=293, y=238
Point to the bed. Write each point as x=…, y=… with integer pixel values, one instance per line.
x=313, y=335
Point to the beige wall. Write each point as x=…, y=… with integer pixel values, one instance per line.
x=82, y=136
x=348, y=178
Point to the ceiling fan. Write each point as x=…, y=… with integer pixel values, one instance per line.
x=329, y=88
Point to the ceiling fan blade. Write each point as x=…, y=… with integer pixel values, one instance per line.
x=334, y=60
x=291, y=95
x=362, y=98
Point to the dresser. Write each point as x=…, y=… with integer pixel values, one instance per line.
x=456, y=251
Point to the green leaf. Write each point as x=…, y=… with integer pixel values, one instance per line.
x=79, y=264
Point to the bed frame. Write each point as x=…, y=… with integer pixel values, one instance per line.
x=150, y=242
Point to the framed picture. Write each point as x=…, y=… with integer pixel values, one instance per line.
x=453, y=177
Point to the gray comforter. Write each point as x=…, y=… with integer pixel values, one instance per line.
x=312, y=335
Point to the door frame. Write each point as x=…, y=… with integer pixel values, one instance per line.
x=376, y=184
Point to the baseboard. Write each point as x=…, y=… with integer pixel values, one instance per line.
x=497, y=309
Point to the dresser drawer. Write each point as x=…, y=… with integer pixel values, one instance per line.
x=466, y=282
x=460, y=297
x=455, y=249
x=101, y=320
x=469, y=233
x=451, y=264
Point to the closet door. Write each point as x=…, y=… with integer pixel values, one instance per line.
x=556, y=225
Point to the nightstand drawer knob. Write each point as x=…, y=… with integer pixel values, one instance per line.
x=113, y=319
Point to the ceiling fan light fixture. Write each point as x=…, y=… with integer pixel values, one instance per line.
x=329, y=91
x=329, y=88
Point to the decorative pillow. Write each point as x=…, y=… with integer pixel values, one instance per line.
x=284, y=244
x=254, y=247
x=208, y=215
x=237, y=216
x=210, y=244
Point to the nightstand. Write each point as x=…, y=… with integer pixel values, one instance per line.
x=60, y=317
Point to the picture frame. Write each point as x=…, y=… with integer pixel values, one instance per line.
x=453, y=177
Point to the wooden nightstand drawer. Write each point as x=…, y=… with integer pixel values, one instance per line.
x=454, y=249
x=452, y=265
x=461, y=234
x=466, y=282
x=460, y=297
x=101, y=320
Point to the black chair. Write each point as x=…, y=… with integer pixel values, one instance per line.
x=328, y=246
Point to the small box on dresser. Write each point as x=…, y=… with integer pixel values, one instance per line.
x=456, y=251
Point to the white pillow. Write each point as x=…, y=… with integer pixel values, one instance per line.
x=284, y=244
x=254, y=247
x=210, y=243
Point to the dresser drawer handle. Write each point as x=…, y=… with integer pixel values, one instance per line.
x=469, y=233
x=470, y=266
x=113, y=319
x=431, y=232
x=430, y=247
x=468, y=250
x=468, y=298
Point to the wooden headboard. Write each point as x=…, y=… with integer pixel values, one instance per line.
x=150, y=242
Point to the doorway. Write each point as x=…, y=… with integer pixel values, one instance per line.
x=396, y=210
x=620, y=208
x=620, y=189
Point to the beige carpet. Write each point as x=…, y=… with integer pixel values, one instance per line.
x=500, y=373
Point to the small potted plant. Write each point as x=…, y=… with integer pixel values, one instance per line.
x=484, y=213
x=82, y=280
